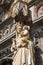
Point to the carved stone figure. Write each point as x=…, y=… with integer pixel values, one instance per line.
x=22, y=46
x=7, y=30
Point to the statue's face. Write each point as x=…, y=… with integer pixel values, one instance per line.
x=19, y=28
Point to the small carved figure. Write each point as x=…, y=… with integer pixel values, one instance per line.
x=7, y=30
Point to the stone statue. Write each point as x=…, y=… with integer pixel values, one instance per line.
x=22, y=46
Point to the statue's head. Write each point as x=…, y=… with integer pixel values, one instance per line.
x=18, y=28
x=25, y=31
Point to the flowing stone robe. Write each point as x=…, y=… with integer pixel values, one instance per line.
x=24, y=49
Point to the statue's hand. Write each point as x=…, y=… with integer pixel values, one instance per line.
x=19, y=45
x=14, y=48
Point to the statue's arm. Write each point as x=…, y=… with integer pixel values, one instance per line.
x=24, y=39
x=13, y=47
